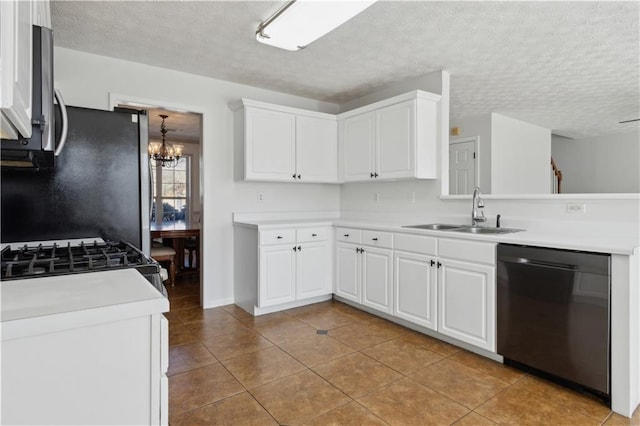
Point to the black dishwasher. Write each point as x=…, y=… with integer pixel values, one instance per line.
x=554, y=314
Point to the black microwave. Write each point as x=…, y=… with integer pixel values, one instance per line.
x=38, y=151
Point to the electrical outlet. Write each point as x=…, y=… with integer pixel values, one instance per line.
x=376, y=197
x=573, y=208
x=412, y=196
x=260, y=197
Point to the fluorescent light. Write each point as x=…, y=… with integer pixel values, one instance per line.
x=299, y=22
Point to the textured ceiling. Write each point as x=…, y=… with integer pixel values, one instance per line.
x=573, y=67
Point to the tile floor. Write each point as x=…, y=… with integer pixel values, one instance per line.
x=229, y=368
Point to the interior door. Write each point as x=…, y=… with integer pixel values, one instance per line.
x=462, y=167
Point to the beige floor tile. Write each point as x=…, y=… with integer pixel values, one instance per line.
x=519, y=407
x=356, y=374
x=285, y=332
x=402, y=355
x=321, y=307
x=298, y=398
x=618, y=420
x=210, y=328
x=316, y=349
x=362, y=335
x=263, y=366
x=563, y=396
x=352, y=414
x=494, y=368
x=474, y=419
x=184, y=302
x=239, y=409
x=237, y=312
x=434, y=345
x=179, y=334
x=187, y=357
x=406, y=402
x=327, y=320
x=198, y=314
x=389, y=325
x=268, y=319
x=236, y=343
x=464, y=385
x=202, y=386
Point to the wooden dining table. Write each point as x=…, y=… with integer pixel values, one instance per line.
x=176, y=232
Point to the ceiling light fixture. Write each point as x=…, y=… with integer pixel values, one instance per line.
x=299, y=22
x=163, y=153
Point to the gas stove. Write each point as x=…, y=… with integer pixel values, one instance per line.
x=19, y=261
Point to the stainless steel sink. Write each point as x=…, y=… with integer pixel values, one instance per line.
x=485, y=230
x=435, y=226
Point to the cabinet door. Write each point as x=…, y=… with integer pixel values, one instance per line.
x=357, y=147
x=277, y=275
x=466, y=303
x=316, y=149
x=270, y=145
x=415, y=288
x=16, y=49
x=313, y=270
x=395, y=137
x=348, y=272
x=377, y=278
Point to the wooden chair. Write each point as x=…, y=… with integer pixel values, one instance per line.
x=166, y=254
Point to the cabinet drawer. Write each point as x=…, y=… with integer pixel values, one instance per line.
x=377, y=238
x=304, y=235
x=277, y=236
x=348, y=235
x=415, y=243
x=472, y=251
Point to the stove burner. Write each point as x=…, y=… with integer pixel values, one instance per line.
x=29, y=261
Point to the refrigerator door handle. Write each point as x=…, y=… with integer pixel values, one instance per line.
x=65, y=123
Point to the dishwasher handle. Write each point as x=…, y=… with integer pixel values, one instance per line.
x=543, y=264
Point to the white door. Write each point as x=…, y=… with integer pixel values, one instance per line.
x=415, y=288
x=270, y=145
x=348, y=272
x=462, y=167
x=357, y=147
x=316, y=149
x=377, y=278
x=277, y=275
x=313, y=270
x=16, y=48
x=466, y=303
x=395, y=147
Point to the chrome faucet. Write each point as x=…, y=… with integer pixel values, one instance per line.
x=477, y=215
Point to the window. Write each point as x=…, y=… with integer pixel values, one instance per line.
x=171, y=191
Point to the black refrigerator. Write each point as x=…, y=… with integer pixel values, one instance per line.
x=99, y=186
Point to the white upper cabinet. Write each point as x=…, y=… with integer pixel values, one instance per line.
x=288, y=144
x=357, y=135
x=16, y=64
x=316, y=149
x=270, y=145
x=391, y=139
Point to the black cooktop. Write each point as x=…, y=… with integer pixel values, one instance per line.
x=46, y=260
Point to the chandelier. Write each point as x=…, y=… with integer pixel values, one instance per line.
x=164, y=153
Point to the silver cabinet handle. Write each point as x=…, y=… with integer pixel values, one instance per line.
x=65, y=123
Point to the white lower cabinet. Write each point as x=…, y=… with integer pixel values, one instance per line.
x=364, y=273
x=377, y=278
x=277, y=275
x=466, y=302
x=415, y=288
x=313, y=276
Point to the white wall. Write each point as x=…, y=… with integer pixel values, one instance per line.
x=479, y=126
x=87, y=80
x=520, y=157
x=609, y=164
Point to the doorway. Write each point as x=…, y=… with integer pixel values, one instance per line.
x=462, y=166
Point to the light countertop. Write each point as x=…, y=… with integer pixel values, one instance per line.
x=38, y=305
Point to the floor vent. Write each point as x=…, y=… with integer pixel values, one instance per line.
x=322, y=331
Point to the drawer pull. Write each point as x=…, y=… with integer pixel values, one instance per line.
x=279, y=237
x=346, y=235
x=314, y=235
x=374, y=239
